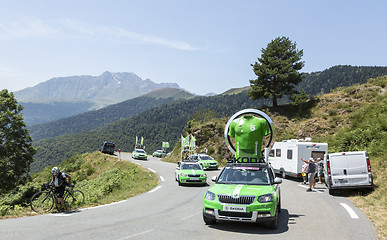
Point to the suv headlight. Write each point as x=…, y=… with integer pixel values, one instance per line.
x=203, y=175
x=210, y=196
x=183, y=174
x=265, y=198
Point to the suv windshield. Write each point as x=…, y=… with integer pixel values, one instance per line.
x=250, y=175
x=191, y=166
x=140, y=151
x=206, y=157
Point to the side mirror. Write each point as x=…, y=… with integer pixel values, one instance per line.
x=177, y=168
x=214, y=178
x=277, y=180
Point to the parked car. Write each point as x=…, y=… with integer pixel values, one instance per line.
x=244, y=192
x=108, y=147
x=205, y=160
x=158, y=153
x=346, y=170
x=139, y=154
x=190, y=173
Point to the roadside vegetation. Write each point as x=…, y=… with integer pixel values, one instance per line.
x=348, y=119
x=102, y=178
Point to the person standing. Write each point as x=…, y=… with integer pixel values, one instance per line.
x=304, y=172
x=59, y=181
x=311, y=173
x=320, y=169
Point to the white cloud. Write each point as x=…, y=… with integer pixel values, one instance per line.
x=25, y=28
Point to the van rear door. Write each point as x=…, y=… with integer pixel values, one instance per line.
x=339, y=170
x=357, y=168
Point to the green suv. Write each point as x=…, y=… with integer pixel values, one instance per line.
x=206, y=161
x=139, y=154
x=244, y=192
x=190, y=173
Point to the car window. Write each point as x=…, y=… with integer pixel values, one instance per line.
x=244, y=175
x=140, y=151
x=205, y=157
x=191, y=166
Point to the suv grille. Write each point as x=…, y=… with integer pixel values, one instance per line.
x=245, y=200
x=193, y=175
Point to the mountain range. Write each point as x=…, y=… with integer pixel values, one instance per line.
x=67, y=96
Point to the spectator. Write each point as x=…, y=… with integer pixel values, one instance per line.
x=305, y=172
x=320, y=169
x=311, y=173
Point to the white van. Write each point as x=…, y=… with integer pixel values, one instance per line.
x=347, y=170
x=285, y=157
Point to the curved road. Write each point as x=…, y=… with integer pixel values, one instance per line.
x=172, y=212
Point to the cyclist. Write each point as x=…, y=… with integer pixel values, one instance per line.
x=59, y=181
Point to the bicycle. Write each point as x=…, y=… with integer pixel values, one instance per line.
x=43, y=201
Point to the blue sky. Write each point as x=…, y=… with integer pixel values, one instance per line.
x=202, y=45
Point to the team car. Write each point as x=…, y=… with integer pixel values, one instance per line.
x=190, y=173
x=139, y=154
x=244, y=192
x=158, y=153
x=206, y=161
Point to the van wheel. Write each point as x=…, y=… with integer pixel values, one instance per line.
x=283, y=175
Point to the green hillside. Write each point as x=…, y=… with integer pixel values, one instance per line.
x=94, y=119
x=163, y=123
x=103, y=179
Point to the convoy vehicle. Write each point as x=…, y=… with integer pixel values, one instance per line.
x=189, y=172
x=139, y=154
x=206, y=161
x=244, y=192
x=285, y=157
x=346, y=170
x=158, y=153
x=107, y=147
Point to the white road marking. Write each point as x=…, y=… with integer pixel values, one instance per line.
x=350, y=211
x=314, y=190
x=154, y=189
x=137, y=234
x=162, y=179
x=150, y=169
x=190, y=216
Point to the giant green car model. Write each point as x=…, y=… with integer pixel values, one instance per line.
x=206, y=161
x=190, y=173
x=244, y=192
x=139, y=154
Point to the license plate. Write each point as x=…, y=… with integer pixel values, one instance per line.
x=194, y=178
x=229, y=208
x=342, y=181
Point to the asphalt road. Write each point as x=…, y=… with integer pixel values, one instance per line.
x=172, y=212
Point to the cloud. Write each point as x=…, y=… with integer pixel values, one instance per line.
x=25, y=28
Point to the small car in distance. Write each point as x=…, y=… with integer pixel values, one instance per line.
x=108, y=147
x=190, y=173
x=139, y=154
x=158, y=153
x=205, y=160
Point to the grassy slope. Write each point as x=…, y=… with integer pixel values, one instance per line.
x=348, y=119
x=102, y=178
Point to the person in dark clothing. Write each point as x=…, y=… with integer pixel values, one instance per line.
x=60, y=182
x=311, y=173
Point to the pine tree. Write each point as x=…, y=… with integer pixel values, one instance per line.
x=277, y=70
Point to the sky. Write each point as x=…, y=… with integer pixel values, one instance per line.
x=203, y=45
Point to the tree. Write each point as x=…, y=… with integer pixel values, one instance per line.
x=277, y=71
x=16, y=150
